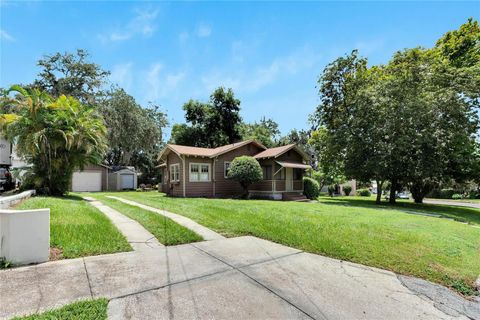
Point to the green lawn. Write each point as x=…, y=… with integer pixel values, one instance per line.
x=440, y=250
x=77, y=228
x=164, y=229
x=82, y=310
x=462, y=214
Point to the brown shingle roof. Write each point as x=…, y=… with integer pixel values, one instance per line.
x=274, y=152
x=209, y=152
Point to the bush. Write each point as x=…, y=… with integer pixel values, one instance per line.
x=311, y=188
x=442, y=193
x=364, y=192
x=473, y=195
x=347, y=190
x=457, y=196
x=246, y=170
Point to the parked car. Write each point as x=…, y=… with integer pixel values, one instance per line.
x=7, y=182
x=398, y=195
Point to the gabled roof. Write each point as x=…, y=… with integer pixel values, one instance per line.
x=206, y=152
x=278, y=151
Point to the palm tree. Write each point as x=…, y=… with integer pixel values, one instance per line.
x=55, y=136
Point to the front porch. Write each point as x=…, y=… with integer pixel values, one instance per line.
x=287, y=182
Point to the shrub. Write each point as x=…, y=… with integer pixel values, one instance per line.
x=473, y=195
x=457, y=196
x=442, y=193
x=347, y=190
x=246, y=170
x=331, y=190
x=311, y=188
x=364, y=192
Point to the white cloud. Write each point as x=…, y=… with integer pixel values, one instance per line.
x=4, y=35
x=143, y=23
x=261, y=76
x=160, y=84
x=203, y=30
x=122, y=75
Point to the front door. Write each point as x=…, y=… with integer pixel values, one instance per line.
x=289, y=179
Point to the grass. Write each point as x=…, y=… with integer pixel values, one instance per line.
x=77, y=228
x=439, y=250
x=82, y=310
x=462, y=214
x=164, y=229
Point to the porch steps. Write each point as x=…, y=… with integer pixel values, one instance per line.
x=294, y=196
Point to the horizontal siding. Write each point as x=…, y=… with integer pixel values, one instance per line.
x=279, y=185
x=226, y=187
x=264, y=185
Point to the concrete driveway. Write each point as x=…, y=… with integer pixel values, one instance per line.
x=237, y=278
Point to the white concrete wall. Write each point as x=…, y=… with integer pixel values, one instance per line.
x=25, y=235
x=7, y=202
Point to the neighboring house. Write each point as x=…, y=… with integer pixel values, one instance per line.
x=95, y=178
x=202, y=172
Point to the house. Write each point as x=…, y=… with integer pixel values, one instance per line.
x=100, y=177
x=202, y=172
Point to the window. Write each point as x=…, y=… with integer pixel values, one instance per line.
x=199, y=172
x=174, y=172
x=297, y=174
x=267, y=172
x=226, y=168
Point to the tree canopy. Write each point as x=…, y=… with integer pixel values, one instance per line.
x=71, y=74
x=211, y=124
x=412, y=121
x=55, y=135
x=266, y=132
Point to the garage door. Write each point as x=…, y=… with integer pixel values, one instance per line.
x=127, y=181
x=87, y=181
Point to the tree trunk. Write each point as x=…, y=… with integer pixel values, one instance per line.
x=393, y=189
x=379, y=192
x=418, y=199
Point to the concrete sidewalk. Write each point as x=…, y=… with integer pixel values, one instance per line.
x=237, y=278
x=457, y=203
x=137, y=236
x=204, y=232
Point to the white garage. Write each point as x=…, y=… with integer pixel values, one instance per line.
x=122, y=178
x=87, y=181
x=91, y=178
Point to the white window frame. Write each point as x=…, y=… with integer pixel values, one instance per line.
x=225, y=168
x=173, y=172
x=200, y=164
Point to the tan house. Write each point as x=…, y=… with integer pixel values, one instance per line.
x=202, y=172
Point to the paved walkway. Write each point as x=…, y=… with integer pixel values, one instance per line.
x=237, y=278
x=206, y=233
x=138, y=237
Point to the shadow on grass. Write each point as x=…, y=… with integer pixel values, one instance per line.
x=462, y=214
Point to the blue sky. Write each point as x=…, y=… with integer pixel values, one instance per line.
x=269, y=53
